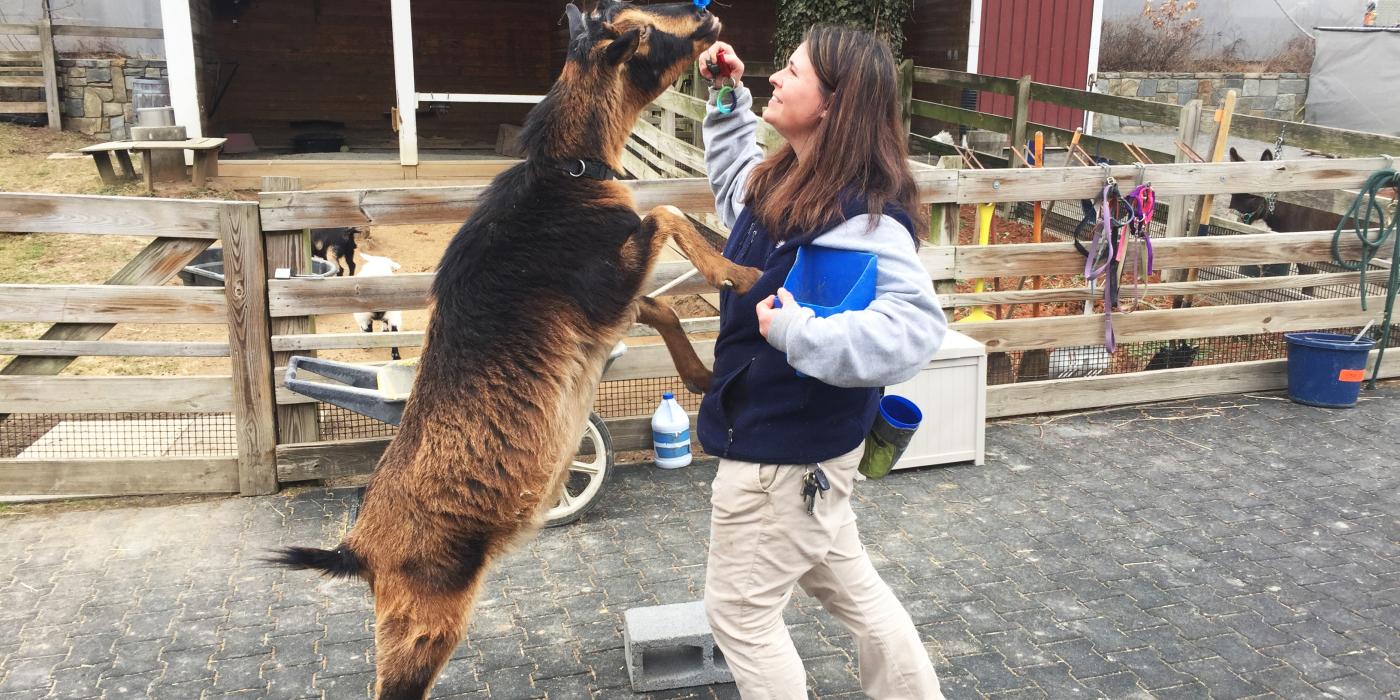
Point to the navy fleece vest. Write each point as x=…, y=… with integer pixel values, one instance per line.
x=758, y=409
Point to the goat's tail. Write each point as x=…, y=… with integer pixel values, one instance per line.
x=335, y=563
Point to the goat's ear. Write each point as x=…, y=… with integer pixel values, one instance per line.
x=1235, y=155
x=625, y=46
x=577, y=25
x=1268, y=155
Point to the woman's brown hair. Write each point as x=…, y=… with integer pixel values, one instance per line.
x=860, y=146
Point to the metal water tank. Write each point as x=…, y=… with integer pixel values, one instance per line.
x=150, y=99
x=147, y=93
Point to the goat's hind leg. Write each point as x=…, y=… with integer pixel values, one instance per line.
x=719, y=272
x=419, y=620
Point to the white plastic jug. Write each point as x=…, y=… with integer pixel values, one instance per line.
x=670, y=433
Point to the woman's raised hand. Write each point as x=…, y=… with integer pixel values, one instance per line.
x=731, y=60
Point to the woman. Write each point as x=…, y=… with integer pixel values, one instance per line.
x=841, y=181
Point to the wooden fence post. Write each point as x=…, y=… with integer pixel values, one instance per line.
x=50, y=63
x=906, y=92
x=1178, y=217
x=1020, y=118
x=943, y=224
x=250, y=348
x=291, y=250
x=668, y=127
x=701, y=89
x=1178, y=212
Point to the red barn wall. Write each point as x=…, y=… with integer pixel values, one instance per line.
x=1047, y=39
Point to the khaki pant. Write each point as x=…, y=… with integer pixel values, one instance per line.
x=762, y=541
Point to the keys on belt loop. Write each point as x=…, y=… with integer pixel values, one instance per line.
x=814, y=484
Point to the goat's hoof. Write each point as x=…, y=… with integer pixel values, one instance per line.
x=699, y=386
x=742, y=279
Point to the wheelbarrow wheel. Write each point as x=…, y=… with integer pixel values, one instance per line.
x=589, y=472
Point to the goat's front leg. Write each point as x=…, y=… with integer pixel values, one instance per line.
x=659, y=315
x=719, y=272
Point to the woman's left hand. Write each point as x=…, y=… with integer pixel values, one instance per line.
x=766, y=312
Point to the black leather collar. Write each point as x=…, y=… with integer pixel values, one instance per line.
x=579, y=167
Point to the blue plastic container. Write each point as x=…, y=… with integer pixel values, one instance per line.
x=891, y=434
x=900, y=412
x=829, y=281
x=1326, y=369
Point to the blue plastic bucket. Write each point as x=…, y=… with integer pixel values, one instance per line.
x=891, y=434
x=829, y=281
x=1326, y=369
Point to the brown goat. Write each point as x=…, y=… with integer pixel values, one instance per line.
x=529, y=298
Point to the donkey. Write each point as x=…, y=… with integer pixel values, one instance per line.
x=1285, y=218
x=1253, y=209
x=531, y=295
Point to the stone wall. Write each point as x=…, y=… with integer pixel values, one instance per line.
x=96, y=93
x=1272, y=95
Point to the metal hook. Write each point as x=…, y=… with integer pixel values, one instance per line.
x=1108, y=174
x=1141, y=173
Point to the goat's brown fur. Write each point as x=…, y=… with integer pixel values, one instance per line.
x=528, y=301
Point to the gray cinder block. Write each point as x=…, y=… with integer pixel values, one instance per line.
x=670, y=646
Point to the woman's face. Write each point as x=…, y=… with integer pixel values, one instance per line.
x=799, y=102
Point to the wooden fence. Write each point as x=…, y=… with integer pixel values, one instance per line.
x=1323, y=139
x=82, y=314
x=45, y=29
x=291, y=210
x=268, y=319
x=1186, y=119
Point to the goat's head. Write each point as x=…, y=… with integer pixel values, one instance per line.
x=1249, y=205
x=631, y=53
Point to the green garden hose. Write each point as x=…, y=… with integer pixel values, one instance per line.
x=1371, y=243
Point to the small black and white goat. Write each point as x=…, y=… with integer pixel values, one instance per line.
x=336, y=245
x=379, y=266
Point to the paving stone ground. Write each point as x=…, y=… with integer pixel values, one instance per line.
x=1234, y=547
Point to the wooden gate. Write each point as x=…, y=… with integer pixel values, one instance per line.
x=195, y=433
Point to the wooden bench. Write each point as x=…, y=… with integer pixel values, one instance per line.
x=206, y=158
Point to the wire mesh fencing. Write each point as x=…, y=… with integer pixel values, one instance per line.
x=116, y=435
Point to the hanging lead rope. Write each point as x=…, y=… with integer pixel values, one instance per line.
x=1142, y=203
x=1120, y=243
x=1363, y=209
x=1101, y=259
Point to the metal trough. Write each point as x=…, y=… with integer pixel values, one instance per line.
x=377, y=392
